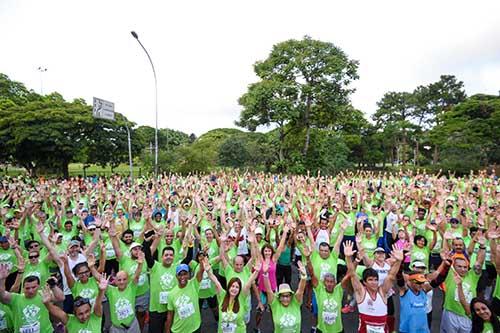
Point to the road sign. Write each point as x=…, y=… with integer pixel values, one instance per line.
x=103, y=109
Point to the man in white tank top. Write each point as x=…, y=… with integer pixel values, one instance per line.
x=370, y=296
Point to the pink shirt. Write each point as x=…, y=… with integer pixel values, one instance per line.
x=401, y=244
x=272, y=277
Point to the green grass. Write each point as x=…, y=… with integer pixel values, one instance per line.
x=76, y=169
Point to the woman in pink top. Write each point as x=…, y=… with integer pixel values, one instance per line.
x=268, y=257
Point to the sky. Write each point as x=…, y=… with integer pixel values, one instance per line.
x=204, y=51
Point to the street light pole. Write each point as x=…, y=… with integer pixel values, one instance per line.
x=41, y=70
x=130, y=156
x=134, y=34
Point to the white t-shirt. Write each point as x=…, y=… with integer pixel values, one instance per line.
x=391, y=220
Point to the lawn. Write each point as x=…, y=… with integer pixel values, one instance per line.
x=76, y=169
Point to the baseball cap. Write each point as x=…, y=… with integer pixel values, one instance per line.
x=74, y=242
x=3, y=239
x=418, y=278
x=259, y=230
x=379, y=249
x=182, y=268
x=419, y=264
x=91, y=226
x=135, y=244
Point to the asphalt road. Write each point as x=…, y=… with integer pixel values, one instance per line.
x=350, y=321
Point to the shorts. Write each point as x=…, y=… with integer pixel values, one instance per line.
x=263, y=298
x=314, y=307
x=133, y=328
x=453, y=323
x=142, y=302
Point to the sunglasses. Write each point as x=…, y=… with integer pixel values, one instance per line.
x=80, y=302
x=33, y=257
x=84, y=273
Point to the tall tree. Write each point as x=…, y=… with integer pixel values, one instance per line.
x=393, y=116
x=303, y=82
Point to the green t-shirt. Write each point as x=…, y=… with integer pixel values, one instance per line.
x=244, y=276
x=41, y=270
x=122, y=304
x=420, y=224
x=163, y=280
x=9, y=257
x=420, y=254
x=29, y=315
x=130, y=266
x=207, y=287
x=136, y=226
x=322, y=266
x=329, y=305
x=369, y=245
x=86, y=290
x=286, y=319
x=351, y=225
x=451, y=300
x=230, y=322
x=5, y=318
x=176, y=245
x=93, y=325
x=184, y=303
x=488, y=327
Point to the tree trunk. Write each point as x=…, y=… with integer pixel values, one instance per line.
x=436, y=155
x=416, y=153
x=65, y=169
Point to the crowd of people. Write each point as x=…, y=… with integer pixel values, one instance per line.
x=100, y=254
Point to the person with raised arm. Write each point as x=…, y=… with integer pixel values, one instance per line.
x=232, y=304
x=285, y=304
x=372, y=298
x=28, y=312
x=183, y=311
x=328, y=298
x=83, y=319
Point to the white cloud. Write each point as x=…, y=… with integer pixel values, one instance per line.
x=204, y=50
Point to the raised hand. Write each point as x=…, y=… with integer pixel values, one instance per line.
x=46, y=294
x=302, y=268
x=397, y=253
x=348, y=251
x=104, y=281
x=91, y=260
x=140, y=257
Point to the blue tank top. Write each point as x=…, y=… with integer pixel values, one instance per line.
x=413, y=314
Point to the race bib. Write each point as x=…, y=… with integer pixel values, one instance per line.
x=228, y=327
x=110, y=253
x=163, y=297
x=186, y=310
x=32, y=328
x=329, y=317
x=124, y=312
x=205, y=284
x=374, y=329
x=142, y=279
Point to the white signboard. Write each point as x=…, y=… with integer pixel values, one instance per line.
x=103, y=109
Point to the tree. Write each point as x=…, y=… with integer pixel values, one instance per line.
x=107, y=142
x=233, y=153
x=302, y=82
x=470, y=129
x=433, y=101
x=393, y=116
x=45, y=134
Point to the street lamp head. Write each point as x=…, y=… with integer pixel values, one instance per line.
x=134, y=34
